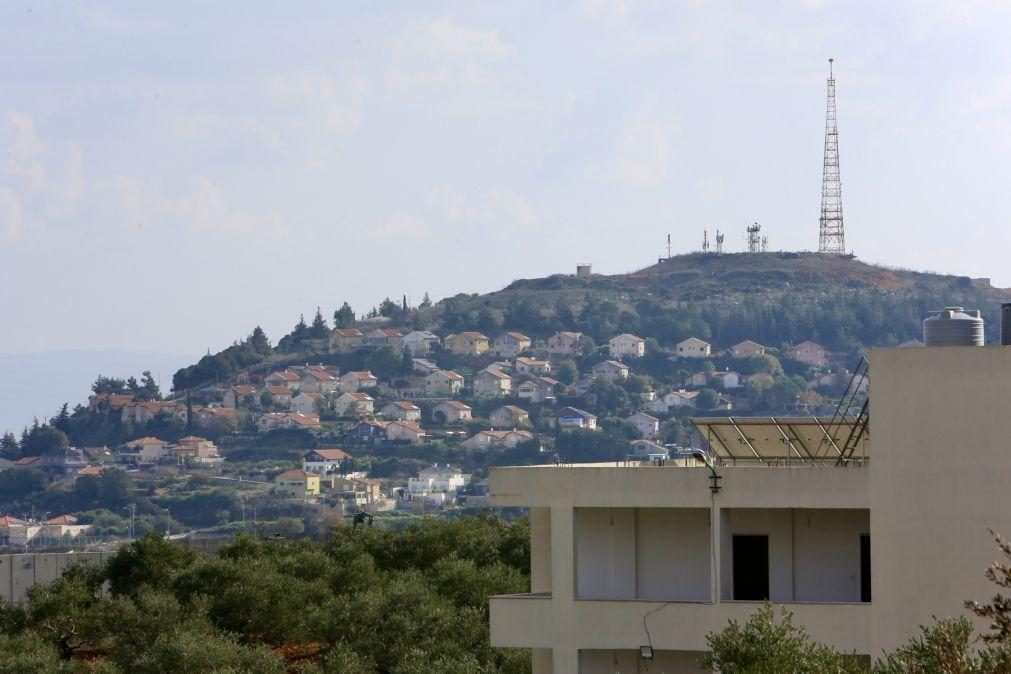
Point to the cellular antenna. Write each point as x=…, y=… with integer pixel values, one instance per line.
x=831, y=237
x=719, y=243
x=705, y=240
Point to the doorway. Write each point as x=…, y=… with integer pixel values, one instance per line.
x=751, y=568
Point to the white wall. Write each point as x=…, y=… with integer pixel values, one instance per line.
x=605, y=553
x=673, y=555
x=644, y=553
x=629, y=662
x=814, y=554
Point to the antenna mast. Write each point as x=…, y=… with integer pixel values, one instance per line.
x=668, y=246
x=719, y=243
x=754, y=238
x=831, y=238
x=705, y=240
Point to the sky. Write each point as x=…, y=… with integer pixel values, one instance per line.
x=173, y=174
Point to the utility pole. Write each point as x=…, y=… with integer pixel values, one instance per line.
x=133, y=509
x=831, y=237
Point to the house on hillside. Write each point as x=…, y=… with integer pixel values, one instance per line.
x=390, y=337
x=420, y=342
x=280, y=396
x=406, y=430
x=345, y=340
x=693, y=347
x=492, y=383
x=565, y=343
x=511, y=344
x=369, y=430
x=423, y=366
x=287, y=379
x=354, y=404
x=572, y=417
x=647, y=450
x=146, y=450
x=437, y=484
x=443, y=384
x=453, y=411
x=326, y=461
x=357, y=381
x=297, y=484
x=728, y=381
x=747, y=349
x=401, y=410
x=143, y=412
x=194, y=447
x=538, y=389
x=697, y=380
x=647, y=425
x=318, y=380
x=308, y=402
x=238, y=396
x=466, y=343
x=108, y=402
x=809, y=353
x=287, y=421
x=508, y=416
x=610, y=370
x=531, y=366
x=626, y=346
x=497, y=439
x=673, y=400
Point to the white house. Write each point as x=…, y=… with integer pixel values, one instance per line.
x=626, y=346
x=318, y=380
x=491, y=383
x=565, y=343
x=423, y=366
x=406, y=430
x=453, y=411
x=402, y=410
x=673, y=400
x=532, y=366
x=646, y=424
x=728, y=381
x=510, y=344
x=693, y=347
x=647, y=449
x=287, y=379
x=307, y=402
x=610, y=370
x=538, y=389
x=571, y=417
x=420, y=342
x=497, y=439
x=508, y=416
x=443, y=383
x=356, y=381
x=325, y=461
x=354, y=404
x=438, y=483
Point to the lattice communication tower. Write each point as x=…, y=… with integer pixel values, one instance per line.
x=831, y=238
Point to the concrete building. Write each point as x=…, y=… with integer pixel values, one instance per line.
x=626, y=346
x=614, y=546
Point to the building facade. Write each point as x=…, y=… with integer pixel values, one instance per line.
x=863, y=553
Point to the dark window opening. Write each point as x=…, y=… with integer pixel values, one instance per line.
x=865, y=568
x=751, y=568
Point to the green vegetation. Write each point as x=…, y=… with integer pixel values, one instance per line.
x=371, y=600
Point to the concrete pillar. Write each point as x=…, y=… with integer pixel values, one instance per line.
x=540, y=549
x=542, y=661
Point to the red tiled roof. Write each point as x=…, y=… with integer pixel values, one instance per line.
x=278, y=390
x=286, y=376
x=298, y=472
x=332, y=454
x=26, y=460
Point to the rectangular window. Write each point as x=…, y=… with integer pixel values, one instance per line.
x=751, y=568
x=865, y=567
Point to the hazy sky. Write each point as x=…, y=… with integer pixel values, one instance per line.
x=172, y=174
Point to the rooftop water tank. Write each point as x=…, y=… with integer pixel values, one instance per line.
x=953, y=326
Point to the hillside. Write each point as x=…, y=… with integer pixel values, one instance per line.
x=777, y=299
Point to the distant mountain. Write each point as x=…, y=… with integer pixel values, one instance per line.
x=37, y=384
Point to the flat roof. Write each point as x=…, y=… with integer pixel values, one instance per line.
x=779, y=440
